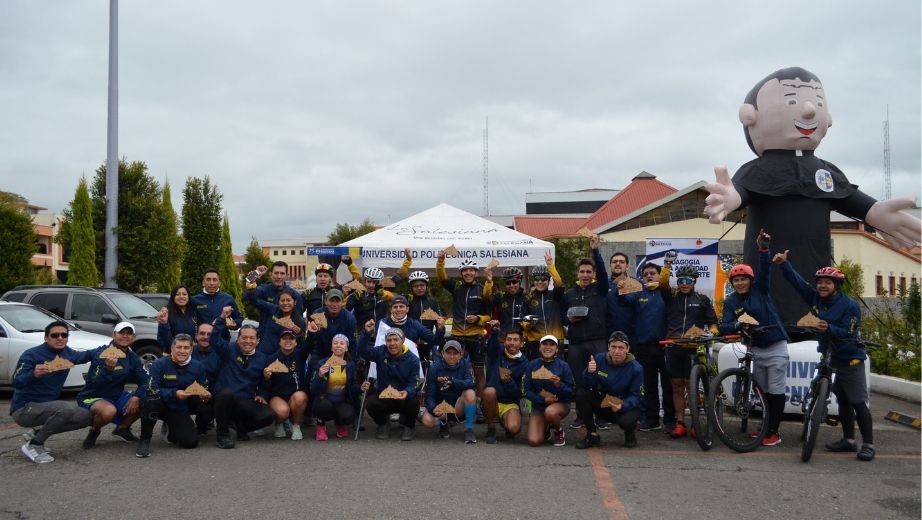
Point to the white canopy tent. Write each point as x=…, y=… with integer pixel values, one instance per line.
x=437, y=228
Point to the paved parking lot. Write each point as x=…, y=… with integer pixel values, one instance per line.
x=435, y=478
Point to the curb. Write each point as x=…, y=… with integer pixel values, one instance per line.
x=895, y=387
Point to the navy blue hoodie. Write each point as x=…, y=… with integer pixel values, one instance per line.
x=239, y=373
x=461, y=378
x=511, y=392
x=166, y=377
x=101, y=382
x=29, y=389
x=622, y=381
x=533, y=387
x=400, y=371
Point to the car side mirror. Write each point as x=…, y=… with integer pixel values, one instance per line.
x=111, y=319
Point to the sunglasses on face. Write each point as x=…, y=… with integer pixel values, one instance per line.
x=59, y=335
x=512, y=282
x=689, y=281
x=540, y=279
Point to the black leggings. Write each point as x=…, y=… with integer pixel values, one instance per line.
x=589, y=405
x=380, y=409
x=653, y=361
x=340, y=413
x=246, y=414
x=183, y=432
x=848, y=412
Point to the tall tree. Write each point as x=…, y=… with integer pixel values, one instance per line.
x=201, y=230
x=140, y=239
x=230, y=278
x=17, y=245
x=345, y=232
x=173, y=245
x=82, y=269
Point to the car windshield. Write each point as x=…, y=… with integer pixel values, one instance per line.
x=132, y=306
x=26, y=318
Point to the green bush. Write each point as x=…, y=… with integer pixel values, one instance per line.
x=896, y=326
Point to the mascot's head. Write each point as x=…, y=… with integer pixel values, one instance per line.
x=786, y=111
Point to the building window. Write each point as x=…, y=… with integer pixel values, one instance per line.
x=275, y=252
x=284, y=252
x=293, y=252
x=902, y=285
x=891, y=285
x=879, y=285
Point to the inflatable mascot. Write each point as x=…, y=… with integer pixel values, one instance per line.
x=788, y=191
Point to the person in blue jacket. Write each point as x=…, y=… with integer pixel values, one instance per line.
x=550, y=395
x=210, y=303
x=451, y=379
x=283, y=316
x=398, y=368
x=236, y=400
x=167, y=399
x=751, y=295
x=104, y=394
x=648, y=308
x=271, y=291
x=178, y=317
x=413, y=329
x=286, y=392
x=204, y=354
x=617, y=374
x=339, y=321
x=335, y=391
x=36, y=401
x=840, y=322
x=506, y=366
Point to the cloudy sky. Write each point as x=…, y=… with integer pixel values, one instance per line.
x=307, y=114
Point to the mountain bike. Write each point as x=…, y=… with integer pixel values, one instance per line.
x=815, y=404
x=700, y=379
x=739, y=408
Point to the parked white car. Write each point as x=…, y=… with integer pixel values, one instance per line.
x=22, y=326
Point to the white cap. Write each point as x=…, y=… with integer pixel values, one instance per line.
x=122, y=326
x=549, y=337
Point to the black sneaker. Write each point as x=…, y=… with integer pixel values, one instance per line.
x=409, y=432
x=444, y=430
x=143, y=448
x=602, y=424
x=630, y=439
x=383, y=431
x=491, y=437
x=577, y=424
x=90, y=439
x=866, y=453
x=480, y=419
x=469, y=437
x=243, y=436
x=842, y=445
x=125, y=434
x=649, y=426
x=589, y=441
x=225, y=442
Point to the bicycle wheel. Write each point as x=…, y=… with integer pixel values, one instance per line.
x=815, y=416
x=698, y=406
x=740, y=412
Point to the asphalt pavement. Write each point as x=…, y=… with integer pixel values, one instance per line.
x=446, y=479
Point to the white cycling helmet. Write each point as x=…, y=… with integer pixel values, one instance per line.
x=418, y=276
x=467, y=264
x=373, y=273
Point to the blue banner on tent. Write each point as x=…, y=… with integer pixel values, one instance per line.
x=332, y=251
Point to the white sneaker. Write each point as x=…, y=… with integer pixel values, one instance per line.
x=30, y=434
x=36, y=454
x=296, y=434
x=280, y=431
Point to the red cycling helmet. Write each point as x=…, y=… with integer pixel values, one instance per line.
x=830, y=272
x=741, y=270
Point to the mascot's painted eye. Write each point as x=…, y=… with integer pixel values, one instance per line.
x=792, y=101
x=819, y=103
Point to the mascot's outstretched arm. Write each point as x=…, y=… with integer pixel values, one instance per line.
x=723, y=198
x=899, y=228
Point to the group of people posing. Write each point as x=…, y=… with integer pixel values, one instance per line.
x=518, y=353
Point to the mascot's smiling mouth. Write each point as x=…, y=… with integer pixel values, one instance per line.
x=804, y=128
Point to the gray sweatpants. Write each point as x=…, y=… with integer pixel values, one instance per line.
x=53, y=417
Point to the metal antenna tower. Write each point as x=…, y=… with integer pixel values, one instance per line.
x=486, y=167
x=887, y=193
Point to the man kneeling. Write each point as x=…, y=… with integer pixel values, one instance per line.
x=170, y=399
x=611, y=390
